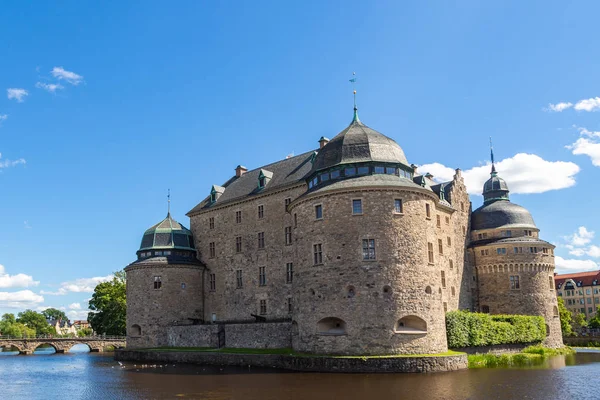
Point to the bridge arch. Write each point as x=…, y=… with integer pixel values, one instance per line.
x=36, y=346
x=9, y=347
x=79, y=347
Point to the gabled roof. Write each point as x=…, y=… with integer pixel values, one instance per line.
x=282, y=173
x=586, y=278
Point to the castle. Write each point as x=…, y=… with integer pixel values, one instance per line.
x=340, y=250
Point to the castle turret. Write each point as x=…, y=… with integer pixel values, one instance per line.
x=164, y=285
x=514, y=266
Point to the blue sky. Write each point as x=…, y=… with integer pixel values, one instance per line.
x=104, y=106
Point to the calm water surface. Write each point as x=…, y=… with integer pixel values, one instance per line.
x=97, y=376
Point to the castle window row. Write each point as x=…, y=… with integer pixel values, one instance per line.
x=518, y=250
x=351, y=171
x=505, y=233
x=569, y=293
x=239, y=277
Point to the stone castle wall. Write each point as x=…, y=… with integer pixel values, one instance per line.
x=371, y=297
x=153, y=310
x=227, y=301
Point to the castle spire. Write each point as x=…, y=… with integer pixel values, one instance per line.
x=168, y=203
x=493, y=172
x=355, y=117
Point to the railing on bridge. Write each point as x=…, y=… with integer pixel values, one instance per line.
x=55, y=337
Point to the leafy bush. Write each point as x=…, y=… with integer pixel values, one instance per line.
x=466, y=329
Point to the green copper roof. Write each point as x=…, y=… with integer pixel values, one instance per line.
x=168, y=234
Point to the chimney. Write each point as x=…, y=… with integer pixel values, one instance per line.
x=322, y=142
x=240, y=170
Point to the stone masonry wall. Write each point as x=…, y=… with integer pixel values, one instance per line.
x=228, y=301
x=193, y=336
x=371, y=296
x=259, y=335
x=153, y=310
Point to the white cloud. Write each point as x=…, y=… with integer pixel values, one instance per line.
x=17, y=94
x=9, y=163
x=15, y=281
x=570, y=265
x=71, y=77
x=21, y=299
x=588, y=147
x=82, y=285
x=580, y=238
x=524, y=173
x=593, y=251
x=591, y=104
x=558, y=107
x=49, y=87
x=74, y=306
x=77, y=314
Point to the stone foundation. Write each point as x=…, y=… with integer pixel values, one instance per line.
x=301, y=363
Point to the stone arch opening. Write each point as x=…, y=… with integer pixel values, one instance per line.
x=485, y=309
x=45, y=348
x=412, y=325
x=135, y=330
x=80, y=348
x=10, y=348
x=331, y=326
x=428, y=290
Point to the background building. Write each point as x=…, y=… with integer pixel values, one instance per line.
x=580, y=291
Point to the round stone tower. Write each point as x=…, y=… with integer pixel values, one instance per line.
x=365, y=283
x=515, y=268
x=164, y=284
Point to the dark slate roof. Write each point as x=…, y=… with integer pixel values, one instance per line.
x=161, y=260
x=495, y=183
x=284, y=173
x=525, y=240
x=501, y=213
x=359, y=143
x=167, y=234
x=367, y=181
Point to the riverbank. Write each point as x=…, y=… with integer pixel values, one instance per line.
x=532, y=355
x=288, y=360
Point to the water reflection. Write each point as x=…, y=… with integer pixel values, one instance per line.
x=93, y=375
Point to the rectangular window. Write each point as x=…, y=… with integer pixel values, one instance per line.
x=211, y=250
x=443, y=276
x=368, y=246
x=588, y=291
x=501, y=250
x=453, y=291
x=379, y=170
x=324, y=177
x=527, y=233
x=533, y=249
x=589, y=300
x=597, y=300
x=447, y=220
x=438, y=221
x=317, y=254
x=318, y=211
x=430, y=252
x=427, y=211
x=514, y=282
x=157, y=282
x=289, y=272
x=350, y=171
x=238, y=244
x=238, y=277
x=263, y=307
x=545, y=250
x=295, y=220
x=449, y=241
x=440, y=246
x=590, y=310
x=363, y=170
x=289, y=305
x=238, y=217
x=261, y=240
x=451, y=264
x=288, y=235
x=262, y=276
x=211, y=223
x=357, y=206
x=287, y=202
x=335, y=174
x=261, y=211
x=398, y=206
x=551, y=282
x=391, y=171
x=445, y=307
x=212, y=280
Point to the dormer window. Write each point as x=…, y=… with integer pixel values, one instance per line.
x=215, y=193
x=264, y=177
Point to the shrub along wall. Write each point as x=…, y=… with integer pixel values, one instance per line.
x=467, y=329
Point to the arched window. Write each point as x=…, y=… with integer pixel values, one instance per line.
x=428, y=290
x=411, y=324
x=485, y=309
x=331, y=326
x=555, y=310
x=136, y=330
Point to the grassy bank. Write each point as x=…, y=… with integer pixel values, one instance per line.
x=532, y=355
x=288, y=351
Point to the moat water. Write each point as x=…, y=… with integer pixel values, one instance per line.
x=80, y=375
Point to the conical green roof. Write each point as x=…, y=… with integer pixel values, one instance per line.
x=167, y=234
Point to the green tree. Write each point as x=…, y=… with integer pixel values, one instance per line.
x=83, y=332
x=9, y=318
x=17, y=330
x=594, y=322
x=565, y=318
x=53, y=313
x=579, y=321
x=36, y=321
x=108, y=306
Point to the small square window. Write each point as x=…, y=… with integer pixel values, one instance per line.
x=350, y=171
x=357, y=206
x=398, y=206
x=318, y=211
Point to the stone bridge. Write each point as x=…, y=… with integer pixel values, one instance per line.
x=61, y=345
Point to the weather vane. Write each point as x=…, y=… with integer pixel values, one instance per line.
x=169, y=201
x=353, y=81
